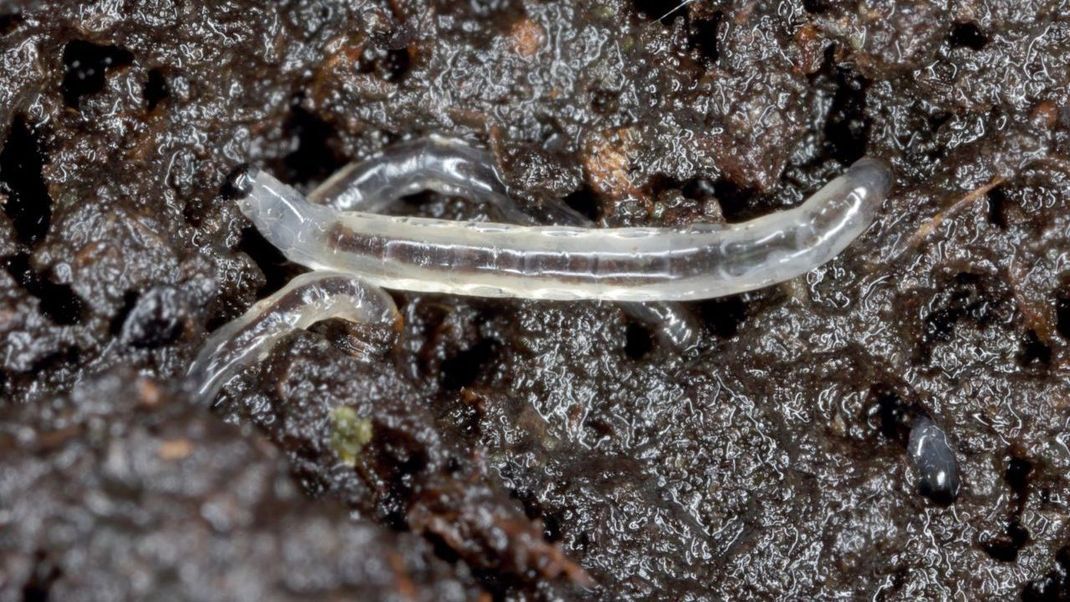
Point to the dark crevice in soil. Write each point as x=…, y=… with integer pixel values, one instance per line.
x=584, y=201
x=21, y=162
x=38, y=587
x=731, y=197
x=1017, y=477
x=153, y=320
x=9, y=22
x=413, y=203
x=530, y=502
x=155, y=89
x=441, y=548
x=534, y=511
x=314, y=156
x=1035, y=353
x=702, y=37
x=967, y=35
x=86, y=66
x=464, y=368
x=58, y=301
x=268, y=258
x=496, y=585
x=1055, y=585
x=737, y=203
x=937, y=120
x=893, y=414
x=997, y=207
x=639, y=341
x=1062, y=315
x=598, y=427
x=551, y=530
x=968, y=297
x=390, y=65
x=399, y=459
x=659, y=183
x=64, y=360
x=847, y=127
x=816, y=7
x=723, y=316
x=1006, y=546
x=130, y=298
x=605, y=102
x=699, y=189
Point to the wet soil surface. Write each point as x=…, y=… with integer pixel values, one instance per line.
x=536, y=450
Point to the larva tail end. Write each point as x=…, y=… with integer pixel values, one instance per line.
x=873, y=174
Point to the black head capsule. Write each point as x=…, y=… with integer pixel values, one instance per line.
x=934, y=461
x=239, y=182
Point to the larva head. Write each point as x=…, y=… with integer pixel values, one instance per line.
x=838, y=213
x=239, y=182
x=279, y=212
x=872, y=176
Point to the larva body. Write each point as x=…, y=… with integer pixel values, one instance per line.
x=568, y=262
x=305, y=300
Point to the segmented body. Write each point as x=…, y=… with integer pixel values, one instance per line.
x=305, y=300
x=569, y=262
x=451, y=167
x=353, y=253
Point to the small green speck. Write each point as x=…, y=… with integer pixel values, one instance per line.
x=349, y=433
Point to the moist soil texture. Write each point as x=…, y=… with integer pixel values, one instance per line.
x=522, y=450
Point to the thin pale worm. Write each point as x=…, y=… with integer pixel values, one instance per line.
x=444, y=165
x=305, y=300
x=452, y=167
x=566, y=262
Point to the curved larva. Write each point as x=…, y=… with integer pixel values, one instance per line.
x=444, y=165
x=452, y=167
x=305, y=300
x=613, y=264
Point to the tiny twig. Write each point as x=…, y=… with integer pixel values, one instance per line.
x=927, y=228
